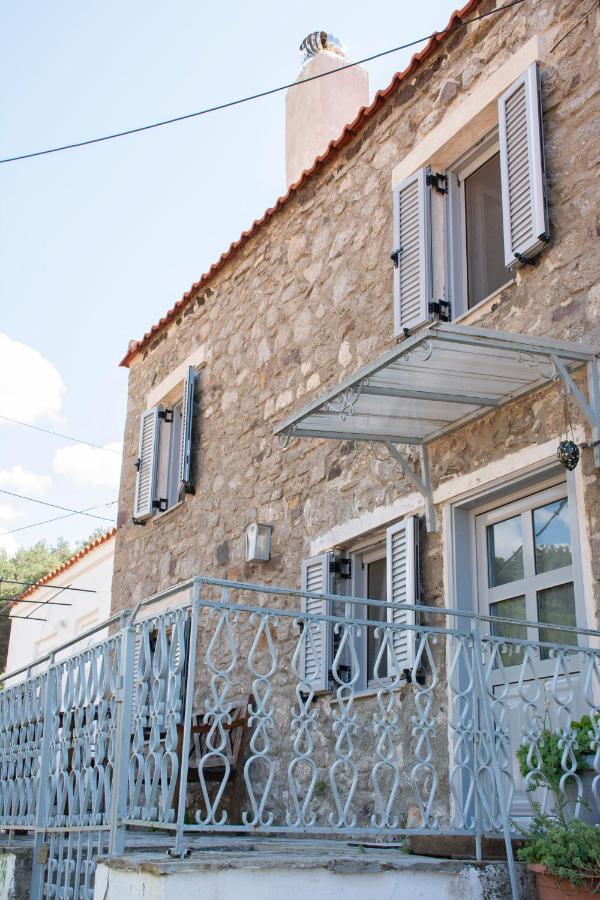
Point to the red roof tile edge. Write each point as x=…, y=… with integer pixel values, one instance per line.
x=347, y=134
x=66, y=565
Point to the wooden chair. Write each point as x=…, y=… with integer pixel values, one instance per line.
x=237, y=735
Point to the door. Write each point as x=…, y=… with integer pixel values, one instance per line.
x=525, y=570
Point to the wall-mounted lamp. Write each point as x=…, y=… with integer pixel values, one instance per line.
x=258, y=542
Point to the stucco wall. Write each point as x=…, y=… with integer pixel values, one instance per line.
x=30, y=639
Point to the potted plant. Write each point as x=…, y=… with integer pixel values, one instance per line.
x=565, y=857
x=564, y=852
x=544, y=769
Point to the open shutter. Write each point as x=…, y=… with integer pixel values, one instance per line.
x=524, y=207
x=187, y=417
x=412, y=252
x=316, y=660
x=145, y=487
x=402, y=581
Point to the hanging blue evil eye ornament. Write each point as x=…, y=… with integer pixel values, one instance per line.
x=568, y=451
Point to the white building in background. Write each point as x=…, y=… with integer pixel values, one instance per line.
x=90, y=569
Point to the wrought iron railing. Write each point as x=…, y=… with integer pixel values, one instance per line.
x=194, y=715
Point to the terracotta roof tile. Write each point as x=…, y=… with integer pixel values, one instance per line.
x=349, y=132
x=66, y=565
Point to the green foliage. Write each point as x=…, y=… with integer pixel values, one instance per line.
x=568, y=850
x=31, y=563
x=550, y=752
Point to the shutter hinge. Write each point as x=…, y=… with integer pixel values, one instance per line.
x=166, y=414
x=525, y=261
x=395, y=256
x=441, y=309
x=138, y=521
x=341, y=567
x=138, y=463
x=162, y=504
x=438, y=182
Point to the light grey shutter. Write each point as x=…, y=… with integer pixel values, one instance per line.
x=145, y=487
x=402, y=581
x=412, y=244
x=187, y=418
x=316, y=661
x=524, y=207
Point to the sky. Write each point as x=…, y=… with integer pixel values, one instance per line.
x=97, y=243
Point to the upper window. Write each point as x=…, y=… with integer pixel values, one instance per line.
x=164, y=470
x=476, y=267
x=459, y=233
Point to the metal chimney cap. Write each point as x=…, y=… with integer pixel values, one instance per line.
x=317, y=42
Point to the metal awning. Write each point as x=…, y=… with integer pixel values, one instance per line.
x=436, y=381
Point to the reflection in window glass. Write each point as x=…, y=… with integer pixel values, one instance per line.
x=505, y=551
x=552, y=536
x=486, y=271
x=376, y=590
x=510, y=609
x=557, y=606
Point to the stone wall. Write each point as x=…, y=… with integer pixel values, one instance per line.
x=308, y=299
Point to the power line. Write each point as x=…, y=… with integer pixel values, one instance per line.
x=77, y=512
x=24, y=618
x=4, y=600
x=66, y=437
x=267, y=93
x=37, y=584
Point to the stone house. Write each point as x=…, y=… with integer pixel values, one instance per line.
x=444, y=244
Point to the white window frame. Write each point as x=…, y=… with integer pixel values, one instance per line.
x=532, y=582
x=455, y=223
x=169, y=456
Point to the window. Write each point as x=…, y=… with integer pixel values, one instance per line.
x=460, y=233
x=164, y=464
x=386, y=571
x=525, y=569
x=476, y=266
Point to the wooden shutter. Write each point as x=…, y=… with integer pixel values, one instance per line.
x=187, y=418
x=412, y=244
x=316, y=661
x=145, y=487
x=402, y=583
x=524, y=207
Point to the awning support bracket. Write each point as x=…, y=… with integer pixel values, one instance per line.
x=591, y=409
x=422, y=482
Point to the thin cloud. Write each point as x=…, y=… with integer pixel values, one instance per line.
x=30, y=386
x=22, y=481
x=89, y=466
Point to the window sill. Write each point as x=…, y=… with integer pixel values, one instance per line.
x=161, y=516
x=483, y=307
x=365, y=694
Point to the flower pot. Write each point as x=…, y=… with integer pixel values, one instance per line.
x=550, y=888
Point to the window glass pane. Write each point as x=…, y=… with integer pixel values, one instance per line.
x=510, y=609
x=486, y=271
x=376, y=590
x=552, y=536
x=505, y=551
x=557, y=605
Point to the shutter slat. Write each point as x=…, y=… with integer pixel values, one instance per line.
x=524, y=208
x=402, y=570
x=147, y=459
x=316, y=659
x=187, y=419
x=412, y=235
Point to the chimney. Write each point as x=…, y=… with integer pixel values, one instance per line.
x=316, y=112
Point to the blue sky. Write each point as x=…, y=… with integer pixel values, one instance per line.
x=95, y=244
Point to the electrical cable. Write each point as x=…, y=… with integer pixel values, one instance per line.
x=66, y=437
x=260, y=94
x=37, y=584
x=79, y=512
x=76, y=512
